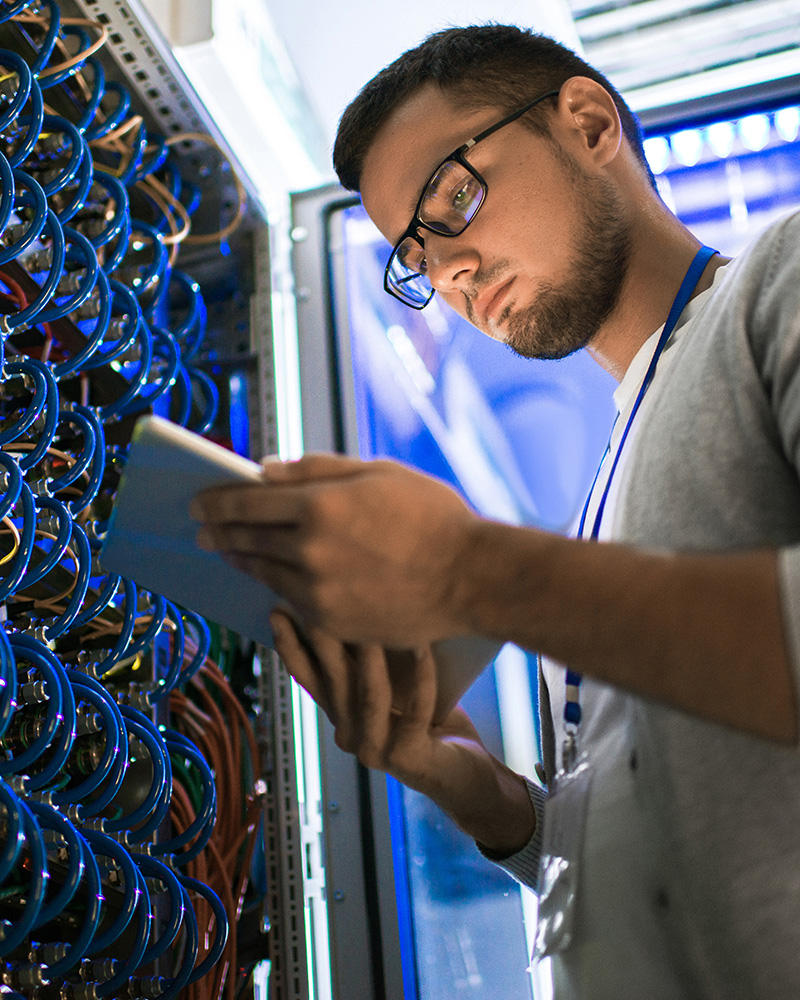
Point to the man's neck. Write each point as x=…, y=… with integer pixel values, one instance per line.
x=662, y=253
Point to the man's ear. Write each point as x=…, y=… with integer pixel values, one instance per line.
x=589, y=120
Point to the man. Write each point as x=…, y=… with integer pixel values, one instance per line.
x=546, y=232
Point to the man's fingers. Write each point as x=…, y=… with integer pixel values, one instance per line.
x=337, y=672
x=421, y=704
x=310, y=467
x=374, y=704
x=245, y=503
x=298, y=660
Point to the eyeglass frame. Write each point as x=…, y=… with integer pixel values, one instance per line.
x=458, y=156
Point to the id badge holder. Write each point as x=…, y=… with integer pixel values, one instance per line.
x=562, y=844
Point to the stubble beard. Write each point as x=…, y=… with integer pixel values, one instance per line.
x=564, y=318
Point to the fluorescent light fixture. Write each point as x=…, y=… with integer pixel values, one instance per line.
x=714, y=81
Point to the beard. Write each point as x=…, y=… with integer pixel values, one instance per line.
x=564, y=318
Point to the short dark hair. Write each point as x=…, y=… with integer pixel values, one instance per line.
x=511, y=64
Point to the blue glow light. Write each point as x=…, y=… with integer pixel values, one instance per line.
x=657, y=152
x=721, y=137
x=754, y=131
x=687, y=146
x=787, y=123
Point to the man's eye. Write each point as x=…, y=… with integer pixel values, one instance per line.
x=466, y=194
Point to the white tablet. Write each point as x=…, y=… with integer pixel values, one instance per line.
x=151, y=540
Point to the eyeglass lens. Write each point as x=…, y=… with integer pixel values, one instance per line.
x=448, y=205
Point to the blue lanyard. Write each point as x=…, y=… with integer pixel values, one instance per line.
x=572, y=707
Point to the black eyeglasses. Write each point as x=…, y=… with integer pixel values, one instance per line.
x=448, y=203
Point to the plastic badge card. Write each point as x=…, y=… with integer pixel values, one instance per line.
x=562, y=844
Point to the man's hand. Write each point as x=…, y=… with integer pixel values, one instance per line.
x=366, y=550
x=448, y=762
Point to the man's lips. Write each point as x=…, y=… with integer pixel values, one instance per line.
x=488, y=304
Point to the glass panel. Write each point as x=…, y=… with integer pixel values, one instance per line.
x=520, y=440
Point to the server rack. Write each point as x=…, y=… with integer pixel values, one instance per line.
x=95, y=677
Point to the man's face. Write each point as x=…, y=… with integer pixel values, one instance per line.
x=541, y=265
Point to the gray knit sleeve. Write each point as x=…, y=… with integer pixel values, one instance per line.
x=524, y=865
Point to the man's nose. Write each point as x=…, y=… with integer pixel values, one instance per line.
x=452, y=261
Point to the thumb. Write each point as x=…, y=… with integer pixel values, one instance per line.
x=310, y=467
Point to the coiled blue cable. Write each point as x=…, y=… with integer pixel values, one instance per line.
x=59, y=546
x=51, y=819
x=14, y=9
x=183, y=385
x=202, y=825
x=42, y=659
x=113, y=118
x=77, y=152
x=82, y=358
x=31, y=197
x=80, y=503
x=120, y=647
x=92, y=431
x=130, y=308
x=7, y=191
x=115, y=256
x=15, y=838
x=82, y=185
x=59, y=625
x=107, y=847
x=14, y=483
x=154, y=869
x=161, y=809
x=98, y=89
x=209, y=390
x=203, y=634
x=166, y=684
x=137, y=949
x=158, y=266
x=29, y=315
x=48, y=430
x=91, y=917
x=221, y=929
x=158, y=614
x=8, y=683
x=34, y=127
x=16, y=933
x=113, y=761
x=105, y=597
x=59, y=749
x=173, y=990
x=117, y=408
x=84, y=41
x=156, y=160
x=36, y=372
x=80, y=249
x=164, y=348
x=128, y=175
x=49, y=42
x=140, y=726
x=19, y=564
x=10, y=58
x=115, y=225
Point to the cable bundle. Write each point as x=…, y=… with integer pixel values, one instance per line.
x=121, y=874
